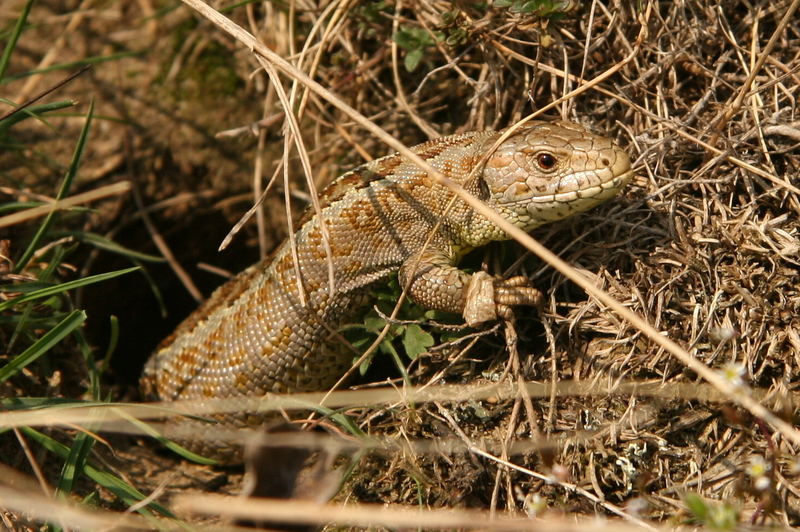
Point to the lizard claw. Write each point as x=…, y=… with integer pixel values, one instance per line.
x=489, y=298
x=513, y=292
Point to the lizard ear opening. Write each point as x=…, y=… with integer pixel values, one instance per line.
x=483, y=193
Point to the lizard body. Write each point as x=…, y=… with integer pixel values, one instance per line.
x=255, y=336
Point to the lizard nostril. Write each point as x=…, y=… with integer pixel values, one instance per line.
x=605, y=162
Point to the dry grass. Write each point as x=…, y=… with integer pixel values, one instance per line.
x=595, y=413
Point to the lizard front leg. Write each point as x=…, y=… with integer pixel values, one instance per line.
x=434, y=282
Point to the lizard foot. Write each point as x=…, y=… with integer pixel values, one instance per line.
x=509, y=293
x=489, y=298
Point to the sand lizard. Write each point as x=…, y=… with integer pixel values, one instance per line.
x=254, y=336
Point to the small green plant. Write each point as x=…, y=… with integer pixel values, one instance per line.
x=414, y=41
x=455, y=27
x=406, y=330
x=719, y=516
x=540, y=8
x=371, y=16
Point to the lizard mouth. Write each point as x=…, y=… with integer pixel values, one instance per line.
x=586, y=192
x=583, y=187
x=584, y=178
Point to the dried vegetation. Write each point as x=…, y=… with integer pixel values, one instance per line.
x=704, y=244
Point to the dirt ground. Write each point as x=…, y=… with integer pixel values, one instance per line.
x=703, y=243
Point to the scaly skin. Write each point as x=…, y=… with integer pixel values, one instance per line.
x=254, y=336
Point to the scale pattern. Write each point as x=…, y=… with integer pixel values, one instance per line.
x=255, y=336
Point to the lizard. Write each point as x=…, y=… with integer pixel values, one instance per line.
x=258, y=334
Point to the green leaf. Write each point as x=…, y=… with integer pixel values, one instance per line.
x=457, y=37
x=374, y=324
x=362, y=369
x=416, y=341
x=32, y=403
x=43, y=344
x=338, y=416
x=113, y=338
x=14, y=206
x=410, y=38
x=723, y=517
x=412, y=60
x=449, y=17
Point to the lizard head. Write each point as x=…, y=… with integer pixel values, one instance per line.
x=547, y=171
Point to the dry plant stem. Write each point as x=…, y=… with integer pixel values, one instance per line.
x=747, y=166
x=533, y=418
x=79, y=199
x=733, y=108
x=75, y=20
x=165, y=250
x=643, y=19
x=37, y=470
x=339, y=8
x=401, y=96
x=47, y=508
x=568, y=486
x=296, y=511
x=258, y=172
x=247, y=215
x=390, y=445
x=756, y=102
x=511, y=130
x=735, y=394
x=676, y=128
x=44, y=93
x=293, y=133
x=103, y=415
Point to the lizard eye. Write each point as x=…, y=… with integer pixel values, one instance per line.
x=546, y=161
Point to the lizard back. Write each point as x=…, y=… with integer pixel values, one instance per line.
x=273, y=328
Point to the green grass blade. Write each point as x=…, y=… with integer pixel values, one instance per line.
x=34, y=111
x=75, y=64
x=106, y=244
x=32, y=403
x=162, y=305
x=15, y=206
x=113, y=340
x=33, y=322
x=74, y=463
x=63, y=287
x=124, y=491
x=169, y=444
x=43, y=344
x=12, y=41
x=343, y=419
x=62, y=193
